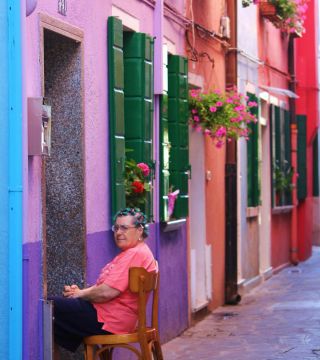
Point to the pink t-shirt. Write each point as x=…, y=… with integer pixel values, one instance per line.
x=120, y=314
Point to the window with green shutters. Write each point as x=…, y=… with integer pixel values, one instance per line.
x=302, y=157
x=253, y=185
x=281, y=156
x=174, y=139
x=130, y=106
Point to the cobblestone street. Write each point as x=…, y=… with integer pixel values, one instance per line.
x=280, y=319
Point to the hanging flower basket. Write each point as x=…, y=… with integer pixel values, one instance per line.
x=221, y=116
x=267, y=9
x=287, y=15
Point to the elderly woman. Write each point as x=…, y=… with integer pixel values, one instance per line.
x=108, y=306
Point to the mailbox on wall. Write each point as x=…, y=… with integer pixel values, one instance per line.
x=39, y=127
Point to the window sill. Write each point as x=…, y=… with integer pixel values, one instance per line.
x=253, y=211
x=172, y=225
x=282, y=209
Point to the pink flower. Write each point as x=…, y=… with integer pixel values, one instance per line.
x=229, y=100
x=194, y=111
x=213, y=109
x=207, y=132
x=252, y=104
x=196, y=118
x=219, y=144
x=194, y=93
x=219, y=103
x=144, y=168
x=239, y=108
x=221, y=131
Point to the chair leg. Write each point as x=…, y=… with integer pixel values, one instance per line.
x=89, y=352
x=145, y=350
x=157, y=351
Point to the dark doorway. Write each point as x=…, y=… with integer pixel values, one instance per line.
x=64, y=210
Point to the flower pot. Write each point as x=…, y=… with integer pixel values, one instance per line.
x=267, y=9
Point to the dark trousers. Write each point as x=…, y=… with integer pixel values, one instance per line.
x=74, y=319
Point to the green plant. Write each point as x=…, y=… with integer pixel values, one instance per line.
x=222, y=116
x=291, y=13
x=137, y=183
x=283, y=177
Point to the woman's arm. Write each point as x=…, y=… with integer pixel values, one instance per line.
x=96, y=293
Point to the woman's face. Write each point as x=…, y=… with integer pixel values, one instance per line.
x=126, y=235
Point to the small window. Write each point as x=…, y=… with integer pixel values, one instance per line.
x=282, y=171
x=253, y=182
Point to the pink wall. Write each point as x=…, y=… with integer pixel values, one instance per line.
x=281, y=236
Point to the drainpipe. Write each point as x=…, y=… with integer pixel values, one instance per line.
x=158, y=91
x=231, y=263
x=294, y=160
x=4, y=203
x=15, y=158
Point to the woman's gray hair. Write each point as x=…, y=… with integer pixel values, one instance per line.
x=140, y=219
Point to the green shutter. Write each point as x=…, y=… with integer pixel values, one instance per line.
x=302, y=156
x=253, y=188
x=315, y=191
x=138, y=103
x=277, y=125
x=164, y=158
x=178, y=132
x=287, y=151
x=116, y=114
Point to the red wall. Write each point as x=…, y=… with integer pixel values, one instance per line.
x=307, y=104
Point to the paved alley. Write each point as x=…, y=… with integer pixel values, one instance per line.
x=280, y=319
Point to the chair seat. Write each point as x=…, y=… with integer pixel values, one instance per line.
x=119, y=338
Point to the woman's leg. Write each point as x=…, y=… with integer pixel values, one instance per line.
x=73, y=320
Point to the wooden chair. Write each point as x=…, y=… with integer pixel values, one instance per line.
x=102, y=346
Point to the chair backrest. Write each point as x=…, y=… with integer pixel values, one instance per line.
x=143, y=283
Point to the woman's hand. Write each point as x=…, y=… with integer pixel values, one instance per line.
x=71, y=291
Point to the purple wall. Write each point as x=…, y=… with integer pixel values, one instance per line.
x=32, y=293
x=169, y=248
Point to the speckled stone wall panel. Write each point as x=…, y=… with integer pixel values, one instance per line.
x=64, y=171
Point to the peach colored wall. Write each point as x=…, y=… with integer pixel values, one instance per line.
x=208, y=14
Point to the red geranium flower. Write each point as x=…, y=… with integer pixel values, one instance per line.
x=137, y=187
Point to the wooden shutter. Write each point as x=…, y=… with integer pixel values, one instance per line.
x=138, y=85
x=178, y=131
x=164, y=158
x=302, y=156
x=253, y=188
x=287, y=151
x=116, y=113
x=277, y=132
